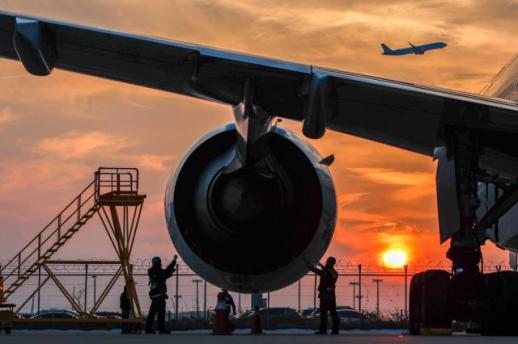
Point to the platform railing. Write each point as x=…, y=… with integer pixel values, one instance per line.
x=35, y=248
x=116, y=180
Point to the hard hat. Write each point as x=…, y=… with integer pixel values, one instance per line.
x=156, y=261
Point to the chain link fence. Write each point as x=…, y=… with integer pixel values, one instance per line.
x=370, y=289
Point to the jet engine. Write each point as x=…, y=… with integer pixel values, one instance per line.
x=254, y=226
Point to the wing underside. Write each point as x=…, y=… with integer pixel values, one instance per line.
x=399, y=114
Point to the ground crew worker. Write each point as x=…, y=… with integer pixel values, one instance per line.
x=125, y=310
x=326, y=294
x=158, y=292
x=226, y=300
x=229, y=302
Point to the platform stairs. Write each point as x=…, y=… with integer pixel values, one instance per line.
x=109, y=185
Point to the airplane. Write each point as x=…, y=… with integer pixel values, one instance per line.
x=414, y=49
x=252, y=203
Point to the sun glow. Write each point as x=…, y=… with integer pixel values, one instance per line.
x=394, y=258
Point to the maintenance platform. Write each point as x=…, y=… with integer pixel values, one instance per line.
x=113, y=194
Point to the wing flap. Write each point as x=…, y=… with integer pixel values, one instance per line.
x=411, y=116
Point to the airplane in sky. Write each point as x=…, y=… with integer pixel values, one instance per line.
x=251, y=204
x=414, y=49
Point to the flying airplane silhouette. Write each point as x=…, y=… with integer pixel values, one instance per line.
x=414, y=49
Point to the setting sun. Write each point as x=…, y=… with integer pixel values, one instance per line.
x=394, y=258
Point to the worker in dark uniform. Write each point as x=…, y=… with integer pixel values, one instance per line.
x=230, y=305
x=158, y=292
x=229, y=302
x=326, y=294
x=125, y=310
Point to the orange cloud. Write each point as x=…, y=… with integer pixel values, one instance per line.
x=389, y=176
x=74, y=145
x=6, y=116
x=158, y=163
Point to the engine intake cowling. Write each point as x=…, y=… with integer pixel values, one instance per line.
x=251, y=228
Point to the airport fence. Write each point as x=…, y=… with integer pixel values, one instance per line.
x=371, y=289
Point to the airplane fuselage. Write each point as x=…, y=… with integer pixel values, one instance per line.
x=413, y=49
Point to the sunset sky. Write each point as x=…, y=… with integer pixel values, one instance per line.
x=56, y=131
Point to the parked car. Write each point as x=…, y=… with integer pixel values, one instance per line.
x=274, y=313
x=347, y=315
x=108, y=315
x=309, y=313
x=55, y=313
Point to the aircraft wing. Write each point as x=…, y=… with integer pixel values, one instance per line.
x=396, y=113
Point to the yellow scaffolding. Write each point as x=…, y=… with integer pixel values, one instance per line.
x=114, y=196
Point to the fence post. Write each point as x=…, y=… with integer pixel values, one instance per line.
x=39, y=288
x=176, y=296
x=298, y=295
x=205, y=315
x=315, y=292
x=354, y=284
x=86, y=287
x=406, y=291
x=360, y=288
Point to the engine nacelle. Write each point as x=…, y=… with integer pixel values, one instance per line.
x=252, y=228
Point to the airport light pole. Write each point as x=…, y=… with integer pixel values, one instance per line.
x=354, y=284
x=377, y=281
x=197, y=283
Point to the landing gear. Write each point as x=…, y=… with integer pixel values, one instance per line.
x=428, y=301
x=471, y=201
x=500, y=304
x=486, y=301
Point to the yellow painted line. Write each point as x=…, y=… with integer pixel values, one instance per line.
x=436, y=331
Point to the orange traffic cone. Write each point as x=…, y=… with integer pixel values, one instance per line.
x=221, y=324
x=256, y=324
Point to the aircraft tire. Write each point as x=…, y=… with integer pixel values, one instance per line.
x=414, y=318
x=428, y=301
x=501, y=303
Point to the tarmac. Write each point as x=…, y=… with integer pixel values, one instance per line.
x=98, y=337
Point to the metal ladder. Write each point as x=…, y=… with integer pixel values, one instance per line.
x=50, y=239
